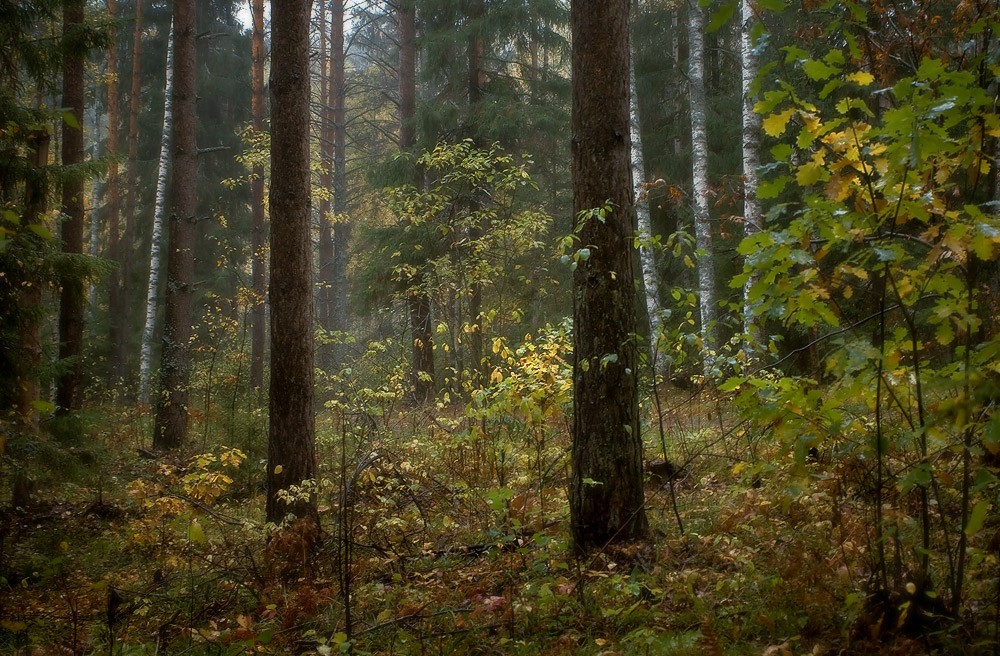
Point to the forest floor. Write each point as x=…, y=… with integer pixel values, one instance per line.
x=452, y=539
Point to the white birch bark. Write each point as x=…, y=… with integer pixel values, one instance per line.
x=647, y=260
x=752, y=220
x=699, y=179
x=156, y=243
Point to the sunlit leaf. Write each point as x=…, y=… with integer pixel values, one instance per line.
x=775, y=124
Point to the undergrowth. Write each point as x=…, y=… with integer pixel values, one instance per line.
x=444, y=531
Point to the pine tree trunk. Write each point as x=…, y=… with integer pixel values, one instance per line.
x=30, y=310
x=752, y=219
x=175, y=359
x=72, y=297
x=257, y=274
x=476, y=81
x=116, y=301
x=606, y=493
x=647, y=261
x=699, y=177
x=339, y=319
x=156, y=241
x=291, y=430
x=324, y=265
x=417, y=301
x=126, y=247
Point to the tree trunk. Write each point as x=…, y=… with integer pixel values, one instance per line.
x=257, y=275
x=339, y=319
x=126, y=259
x=72, y=297
x=647, y=261
x=476, y=81
x=417, y=301
x=699, y=179
x=606, y=494
x=156, y=241
x=291, y=430
x=324, y=265
x=30, y=310
x=175, y=358
x=116, y=302
x=752, y=219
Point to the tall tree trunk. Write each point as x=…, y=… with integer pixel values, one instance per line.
x=699, y=178
x=257, y=275
x=30, y=295
x=156, y=241
x=476, y=81
x=116, y=301
x=417, y=301
x=291, y=429
x=752, y=219
x=72, y=297
x=126, y=247
x=324, y=265
x=647, y=261
x=337, y=282
x=606, y=493
x=175, y=358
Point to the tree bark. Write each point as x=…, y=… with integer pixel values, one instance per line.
x=30, y=297
x=339, y=317
x=752, y=219
x=291, y=431
x=647, y=261
x=606, y=493
x=417, y=301
x=116, y=301
x=72, y=297
x=257, y=274
x=324, y=265
x=126, y=255
x=476, y=82
x=699, y=178
x=156, y=241
x=175, y=360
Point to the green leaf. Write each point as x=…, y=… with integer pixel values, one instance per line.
x=69, y=118
x=771, y=5
x=196, y=533
x=721, y=16
x=977, y=518
x=41, y=231
x=772, y=188
x=732, y=384
x=818, y=71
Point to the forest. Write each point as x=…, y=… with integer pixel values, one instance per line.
x=599, y=327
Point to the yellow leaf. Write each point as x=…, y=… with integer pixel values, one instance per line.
x=808, y=174
x=278, y=469
x=775, y=124
x=861, y=78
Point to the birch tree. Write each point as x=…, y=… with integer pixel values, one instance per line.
x=752, y=220
x=156, y=241
x=171, y=408
x=647, y=262
x=699, y=179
